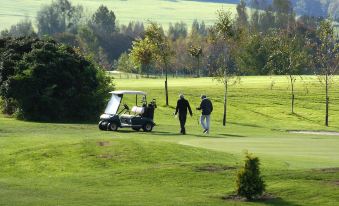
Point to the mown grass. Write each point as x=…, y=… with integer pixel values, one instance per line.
x=76, y=164
x=160, y=11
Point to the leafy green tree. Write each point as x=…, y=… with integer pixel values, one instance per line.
x=254, y=55
x=52, y=82
x=198, y=28
x=179, y=30
x=326, y=59
x=162, y=51
x=23, y=28
x=284, y=16
x=196, y=52
x=125, y=64
x=60, y=16
x=143, y=55
x=103, y=22
x=133, y=30
x=11, y=52
x=242, y=18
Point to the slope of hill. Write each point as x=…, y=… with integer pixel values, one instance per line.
x=12, y=11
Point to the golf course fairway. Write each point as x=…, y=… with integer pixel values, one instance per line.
x=77, y=164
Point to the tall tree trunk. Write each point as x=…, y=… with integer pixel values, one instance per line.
x=292, y=94
x=198, y=66
x=327, y=100
x=225, y=84
x=225, y=103
x=166, y=88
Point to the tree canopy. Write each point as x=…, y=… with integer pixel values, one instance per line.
x=44, y=80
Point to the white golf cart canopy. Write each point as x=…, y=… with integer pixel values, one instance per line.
x=128, y=92
x=114, y=102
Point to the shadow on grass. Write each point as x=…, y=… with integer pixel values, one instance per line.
x=246, y=125
x=229, y=135
x=266, y=199
x=276, y=202
x=301, y=117
x=163, y=133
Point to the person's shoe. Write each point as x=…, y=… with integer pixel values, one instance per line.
x=205, y=131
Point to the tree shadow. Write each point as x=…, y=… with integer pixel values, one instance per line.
x=229, y=135
x=299, y=116
x=266, y=199
x=276, y=202
x=246, y=125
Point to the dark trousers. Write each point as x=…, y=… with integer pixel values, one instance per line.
x=182, y=119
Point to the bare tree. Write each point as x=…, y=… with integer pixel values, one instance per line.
x=287, y=58
x=326, y=59
x=223, y=33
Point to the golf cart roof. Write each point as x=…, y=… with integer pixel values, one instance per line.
x=128, y=92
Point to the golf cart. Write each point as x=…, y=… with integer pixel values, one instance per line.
x=119, y=115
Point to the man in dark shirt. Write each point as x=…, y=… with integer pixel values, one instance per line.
x=182, y=106
x=206, y=108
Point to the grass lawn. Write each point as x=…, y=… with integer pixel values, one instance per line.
x=164, y=12
x=76, y=164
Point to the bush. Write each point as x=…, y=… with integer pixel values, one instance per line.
x=249, y=181
x=53, y=82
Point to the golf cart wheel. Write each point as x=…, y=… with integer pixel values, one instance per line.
x=148, y=127
x=102, y=125
x=113, y=126
x=136, y=128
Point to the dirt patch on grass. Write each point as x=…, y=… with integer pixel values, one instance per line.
x=262, y=198
x=329, y=170
x=104, y=156
x=104, y=143
x=335, y=182
x=328, y=133
x=213, y=168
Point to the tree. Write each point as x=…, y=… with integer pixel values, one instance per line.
x=52, y=82
x=196, y=52
x=242, y=18
x=254, y=55
x=23, y=28
x=143, y=55
x=60, y=16
x=103, y=22
x=125, y=64
x=198, y=28
x=224, y=33
x=133, y=30
x=163, y=52
x=283, y=13
x=326, y=59
x=287, y=58
x=179, y=30
x=250, y=183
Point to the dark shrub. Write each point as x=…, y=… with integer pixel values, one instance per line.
x=53, y=82
x=249, y=181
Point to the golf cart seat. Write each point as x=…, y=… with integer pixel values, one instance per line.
x=136, y=110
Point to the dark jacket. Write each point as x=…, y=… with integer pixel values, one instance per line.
x=206, y=107
x=182, y=106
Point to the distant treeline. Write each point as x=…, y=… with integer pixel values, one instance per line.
x=316, y=8
x=194, y=50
